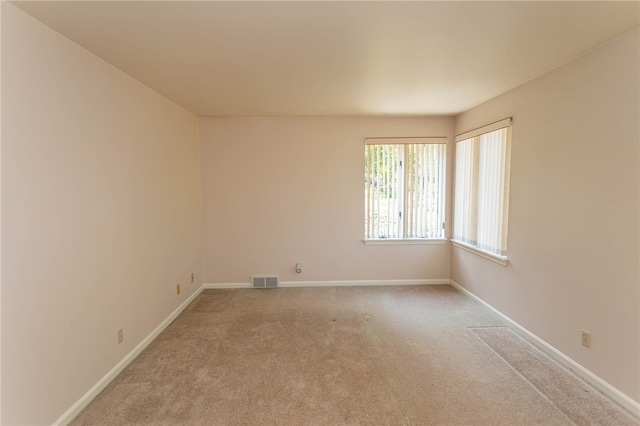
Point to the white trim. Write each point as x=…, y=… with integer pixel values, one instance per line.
x=595, y=381
x=406, y=140
x=75, y=409
x=211, y=286
x=356, y=283
x=407, y=241
x=344, y=283
x=492, y=127
x=502, y=260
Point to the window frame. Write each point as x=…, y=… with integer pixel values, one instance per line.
x=402, y=186
x=506, y=124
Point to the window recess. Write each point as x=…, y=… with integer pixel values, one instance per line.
x=404, y=189
x=481, y=201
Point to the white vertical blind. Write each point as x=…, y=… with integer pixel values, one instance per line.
x=491, y=191
x=405, y=190
x=464, y=202
x=382, y=202
x=425, y=190
x=482, y=190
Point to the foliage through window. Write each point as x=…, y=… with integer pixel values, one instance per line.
x=404, y=188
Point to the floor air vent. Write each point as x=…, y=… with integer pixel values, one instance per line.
x=264, y=281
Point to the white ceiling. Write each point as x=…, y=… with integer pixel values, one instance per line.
x=335, y=58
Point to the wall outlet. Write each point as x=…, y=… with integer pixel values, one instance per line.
x=586, y=339
x=193, y=278
x=178, y=289
x=120, y=335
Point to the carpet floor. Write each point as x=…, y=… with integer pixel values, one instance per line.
x=422, y=355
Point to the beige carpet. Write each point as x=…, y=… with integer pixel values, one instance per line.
x=340, y=355
x=575, y=398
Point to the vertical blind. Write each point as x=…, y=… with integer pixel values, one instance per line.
x=383, y=191
x=404, y=188
x=464, y=224
x=492, y=192
x=482, y=188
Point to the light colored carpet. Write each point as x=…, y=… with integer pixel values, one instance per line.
x=336, y=355
x=575, y=398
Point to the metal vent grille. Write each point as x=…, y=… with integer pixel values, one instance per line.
x=270, y=281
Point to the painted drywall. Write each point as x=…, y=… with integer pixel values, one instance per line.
x=101, y=217
x=0, y=214
x=287, y=190
x=574, y=208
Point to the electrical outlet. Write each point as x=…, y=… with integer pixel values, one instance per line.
x=586, y=339
x=120, y=335
x=178, y=289
x=193, y=278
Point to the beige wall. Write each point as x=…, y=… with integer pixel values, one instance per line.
x=573, y=226
x=277, y=191
x=1, y=8
x=101, y=217
x=102, y=214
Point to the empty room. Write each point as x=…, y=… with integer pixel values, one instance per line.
x=321, y=213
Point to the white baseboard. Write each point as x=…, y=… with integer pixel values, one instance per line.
x=75, y=409
x=349, y=283
x=595, y=381
x=211, y=286
x=353, y=283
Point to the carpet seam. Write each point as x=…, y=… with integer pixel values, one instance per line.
x=628, y=404
x=520, y=374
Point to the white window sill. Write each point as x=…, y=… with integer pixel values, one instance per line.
x=502, y=260
x=414, y=241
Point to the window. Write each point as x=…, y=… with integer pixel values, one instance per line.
x=481, y=204
x=404, y=189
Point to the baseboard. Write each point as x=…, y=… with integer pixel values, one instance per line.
x=349, y=283
x=75, y=409
x=211, y=286
x=595, y=381
x=354, y=283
